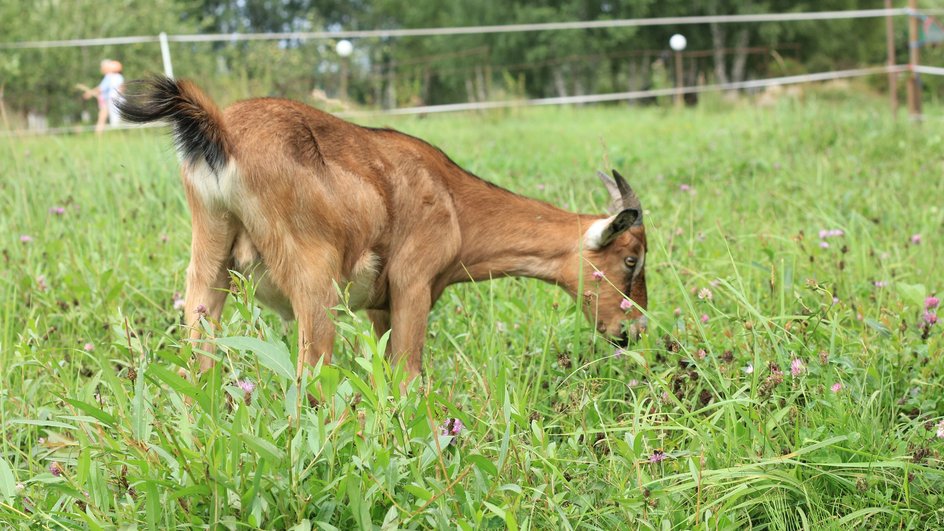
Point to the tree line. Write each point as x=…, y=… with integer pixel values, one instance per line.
x=392, y=72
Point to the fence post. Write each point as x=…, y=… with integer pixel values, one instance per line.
x=679, y=80
x=890, y=46
x=914, y=83
x=165, y=55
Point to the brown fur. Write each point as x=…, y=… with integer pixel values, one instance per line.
x=317, y=200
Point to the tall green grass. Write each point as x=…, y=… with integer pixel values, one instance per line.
x=560, y=430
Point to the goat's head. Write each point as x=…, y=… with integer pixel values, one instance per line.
x=614, y=265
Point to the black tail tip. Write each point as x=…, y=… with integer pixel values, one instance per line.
x=150, y=99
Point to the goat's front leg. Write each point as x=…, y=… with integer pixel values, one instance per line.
x=213, y=234
x=315, y=328
x=409, y=312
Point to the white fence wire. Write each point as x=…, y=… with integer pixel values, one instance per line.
x=569, y=100
x=472, y=30
x=642, y=94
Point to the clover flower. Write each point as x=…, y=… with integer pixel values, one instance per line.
x=930, y=318
x=452, y=427
x=246, y=385
x=797, y=367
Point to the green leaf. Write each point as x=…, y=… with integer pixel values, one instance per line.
x=7, y=481
x=499, y=512
x=391, y=519
x=152, y=499
x=511, y=487
x=181, y=385
x=418, y=491
x=91, y=411
x=304, y=525
x=912, y=293
x=273, y=356
x=141, y=415
x=263, y=447
x=878, y=327
x=44, y=423
x=637, y=357
x=483, y=464
x=365, y=390
x=193, y=490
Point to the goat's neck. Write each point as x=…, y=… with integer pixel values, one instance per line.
x=504, y=234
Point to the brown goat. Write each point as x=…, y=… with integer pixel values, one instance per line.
x=301, y=200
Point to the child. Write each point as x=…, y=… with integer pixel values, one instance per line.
x=108, y=93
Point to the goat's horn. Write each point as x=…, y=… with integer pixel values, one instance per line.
x=628, y=196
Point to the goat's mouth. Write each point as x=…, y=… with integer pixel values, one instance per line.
x=631, y=332
x=622, y=341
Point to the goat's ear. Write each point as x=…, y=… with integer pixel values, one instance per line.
x=604, y=231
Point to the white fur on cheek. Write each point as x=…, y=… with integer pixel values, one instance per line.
x=593, y=238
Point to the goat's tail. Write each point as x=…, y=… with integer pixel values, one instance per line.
x=199, y=131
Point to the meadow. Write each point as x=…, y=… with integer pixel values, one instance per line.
x=792, y=376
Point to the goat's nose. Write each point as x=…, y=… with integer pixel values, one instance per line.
x=623, y=340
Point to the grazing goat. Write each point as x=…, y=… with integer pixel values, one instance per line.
x=302, y=200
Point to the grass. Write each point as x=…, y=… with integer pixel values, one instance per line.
x=560, y=431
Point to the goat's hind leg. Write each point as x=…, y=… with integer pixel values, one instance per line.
x=213, y=234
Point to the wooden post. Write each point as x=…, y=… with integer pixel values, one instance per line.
x=342, y=89
x=679, y=82
x=890, y=45
x=914, y=86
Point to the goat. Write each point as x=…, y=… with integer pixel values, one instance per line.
x=304, y=201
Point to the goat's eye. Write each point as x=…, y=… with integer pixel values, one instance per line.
x=630, y=262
